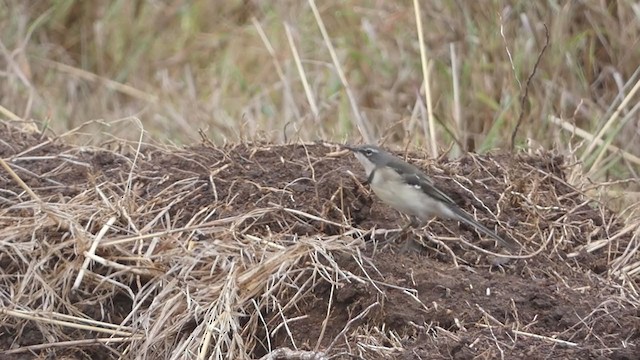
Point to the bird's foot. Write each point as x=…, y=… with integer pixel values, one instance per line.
x=404, y=231
x=411, y=246
x=382, y=238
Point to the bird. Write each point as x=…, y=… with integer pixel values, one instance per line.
x=407, y=189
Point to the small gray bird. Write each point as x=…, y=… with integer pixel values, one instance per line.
x=408, y=190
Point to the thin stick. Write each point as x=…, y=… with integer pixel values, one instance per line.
x=92, y=251
x=457, y=106
x=6, y=112
x=276, y=64
x=110, y=84
x=360, y=122
x=29, y=315
x=286, y=353
x=609, y=123
x=303, y=77
x=85, y=342
x=587, y=136
x=21, y=183
x=527, y=85
x=326, y=319
x=350, y=322
x=425, y=75
x=542, y=337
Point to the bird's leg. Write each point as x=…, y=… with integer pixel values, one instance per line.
x=418, y=244
x=415, y=222
x=403, y=230
x=411, y=244
x=407, y=225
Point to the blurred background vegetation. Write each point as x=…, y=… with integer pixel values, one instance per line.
x=229, y=68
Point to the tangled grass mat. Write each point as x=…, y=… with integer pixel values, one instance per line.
x=253, y=251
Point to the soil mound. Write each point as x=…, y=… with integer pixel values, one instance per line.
x=236, y=251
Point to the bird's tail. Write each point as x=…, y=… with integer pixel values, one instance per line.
x=464, y=217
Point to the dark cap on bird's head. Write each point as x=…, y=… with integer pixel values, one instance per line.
x=370, y=155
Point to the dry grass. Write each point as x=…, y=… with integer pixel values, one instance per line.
x=285, y=72
x=202, y=65
x=199, y=284
x=173, y=281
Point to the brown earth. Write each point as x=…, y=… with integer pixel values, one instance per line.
x=561, y=303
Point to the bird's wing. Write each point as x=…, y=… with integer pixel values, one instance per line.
x=413, y=176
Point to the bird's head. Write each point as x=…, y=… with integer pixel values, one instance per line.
x=370, y=156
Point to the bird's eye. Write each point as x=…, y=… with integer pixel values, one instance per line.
x=368, y=152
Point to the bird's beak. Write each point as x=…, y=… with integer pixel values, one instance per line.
x=349, y=147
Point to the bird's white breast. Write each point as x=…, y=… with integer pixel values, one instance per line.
x=411, y=200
